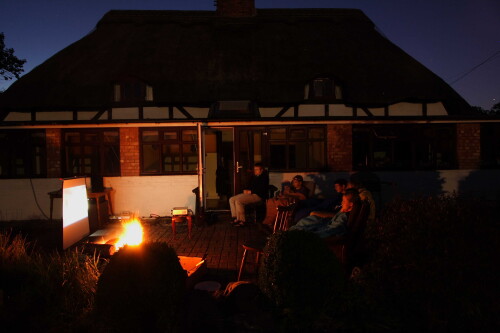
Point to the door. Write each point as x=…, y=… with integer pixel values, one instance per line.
x=248, y=151
x=219, y=167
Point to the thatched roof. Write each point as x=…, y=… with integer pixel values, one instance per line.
x=198, y=58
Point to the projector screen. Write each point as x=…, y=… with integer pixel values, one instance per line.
x=75, y=211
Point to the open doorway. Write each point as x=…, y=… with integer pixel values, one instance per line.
x=219, y=168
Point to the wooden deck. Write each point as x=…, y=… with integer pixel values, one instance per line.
x=220, y=243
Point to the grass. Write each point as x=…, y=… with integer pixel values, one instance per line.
x=44, y=291
x=432, y=268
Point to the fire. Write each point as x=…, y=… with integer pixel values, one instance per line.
x=132, y=234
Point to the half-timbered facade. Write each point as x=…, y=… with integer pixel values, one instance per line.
x=161, y=102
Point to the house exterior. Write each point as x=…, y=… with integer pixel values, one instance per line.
x=159, y=103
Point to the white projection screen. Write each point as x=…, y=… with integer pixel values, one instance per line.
x=75, y=211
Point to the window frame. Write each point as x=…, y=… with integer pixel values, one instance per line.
x=11, y=148
x=288, y=141
x=490, y=150
x=331, y=93
x=162, y=142
x=101, y=145
x=405, y=136
x=121, y=92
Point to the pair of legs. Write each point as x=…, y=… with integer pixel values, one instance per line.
x=238, y=202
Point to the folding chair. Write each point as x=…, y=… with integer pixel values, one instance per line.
x=282, y=223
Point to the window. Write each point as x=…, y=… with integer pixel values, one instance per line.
x=132, y=92
x=404, y=147
x=292, y=148
x=490, y=149
x=22, y=154
x=168, y=150
x=323, y=88
x=91, y=152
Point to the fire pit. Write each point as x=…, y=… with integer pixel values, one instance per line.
x=132, y=234
x=110, y=240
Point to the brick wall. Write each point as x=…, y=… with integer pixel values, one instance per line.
x=129, y=151
x=53, y=146
x=339, y=141
x=469, y=146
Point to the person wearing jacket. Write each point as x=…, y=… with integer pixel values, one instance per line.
x=256, y=192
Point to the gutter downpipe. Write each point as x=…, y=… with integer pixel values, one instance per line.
x=200, y=213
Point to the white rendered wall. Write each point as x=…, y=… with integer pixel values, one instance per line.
x=17, y=201
x=18, y=116
x=159, y=194
x=269, y=112
x=125, y=113
x=436, y=109
x=197, y=112
x=340, y=110
x=150, y=112
x=143, y=195
x=60, y=115
x=86, y=115
x=147, y=195
x=311, y=110
x=405, y=109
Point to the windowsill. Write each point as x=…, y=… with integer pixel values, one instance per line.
x=191, y=173
x=316, y=170
x=323, y=100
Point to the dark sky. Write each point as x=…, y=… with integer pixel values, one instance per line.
x=450, y=37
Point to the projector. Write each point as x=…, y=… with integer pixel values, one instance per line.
x=180, y=211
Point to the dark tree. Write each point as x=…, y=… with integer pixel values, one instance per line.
x=478, y=110
x=10, y=65
x=496, y=109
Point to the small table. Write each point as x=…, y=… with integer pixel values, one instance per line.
x=188, y=217
x=54, y=195
x=96, y=195
x=106, y=193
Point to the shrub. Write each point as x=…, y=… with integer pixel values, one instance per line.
x=299, y=274
x=49, y=292
x=433, y=261
x=141, y=290
x=76, y=274
x=20, y=281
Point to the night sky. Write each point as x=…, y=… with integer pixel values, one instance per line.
x=450, y=37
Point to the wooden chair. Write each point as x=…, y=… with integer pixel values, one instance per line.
x=282, y=223
x=257, y=212
x=347, y=247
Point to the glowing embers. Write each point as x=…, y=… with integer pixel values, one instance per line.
x=132, y=234
x=108, y=241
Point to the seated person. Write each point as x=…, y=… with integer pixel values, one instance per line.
x=328, y=205
x=330, y=226
x=256, y=192
x=364, y=194
x=297, y=193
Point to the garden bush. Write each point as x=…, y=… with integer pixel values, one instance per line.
x=433, y=263
x=300, y=275
x=76, y=275
x=140, y=290
x=44, y=292
x=20, y=282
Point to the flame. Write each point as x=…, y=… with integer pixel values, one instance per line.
x=132, y=234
